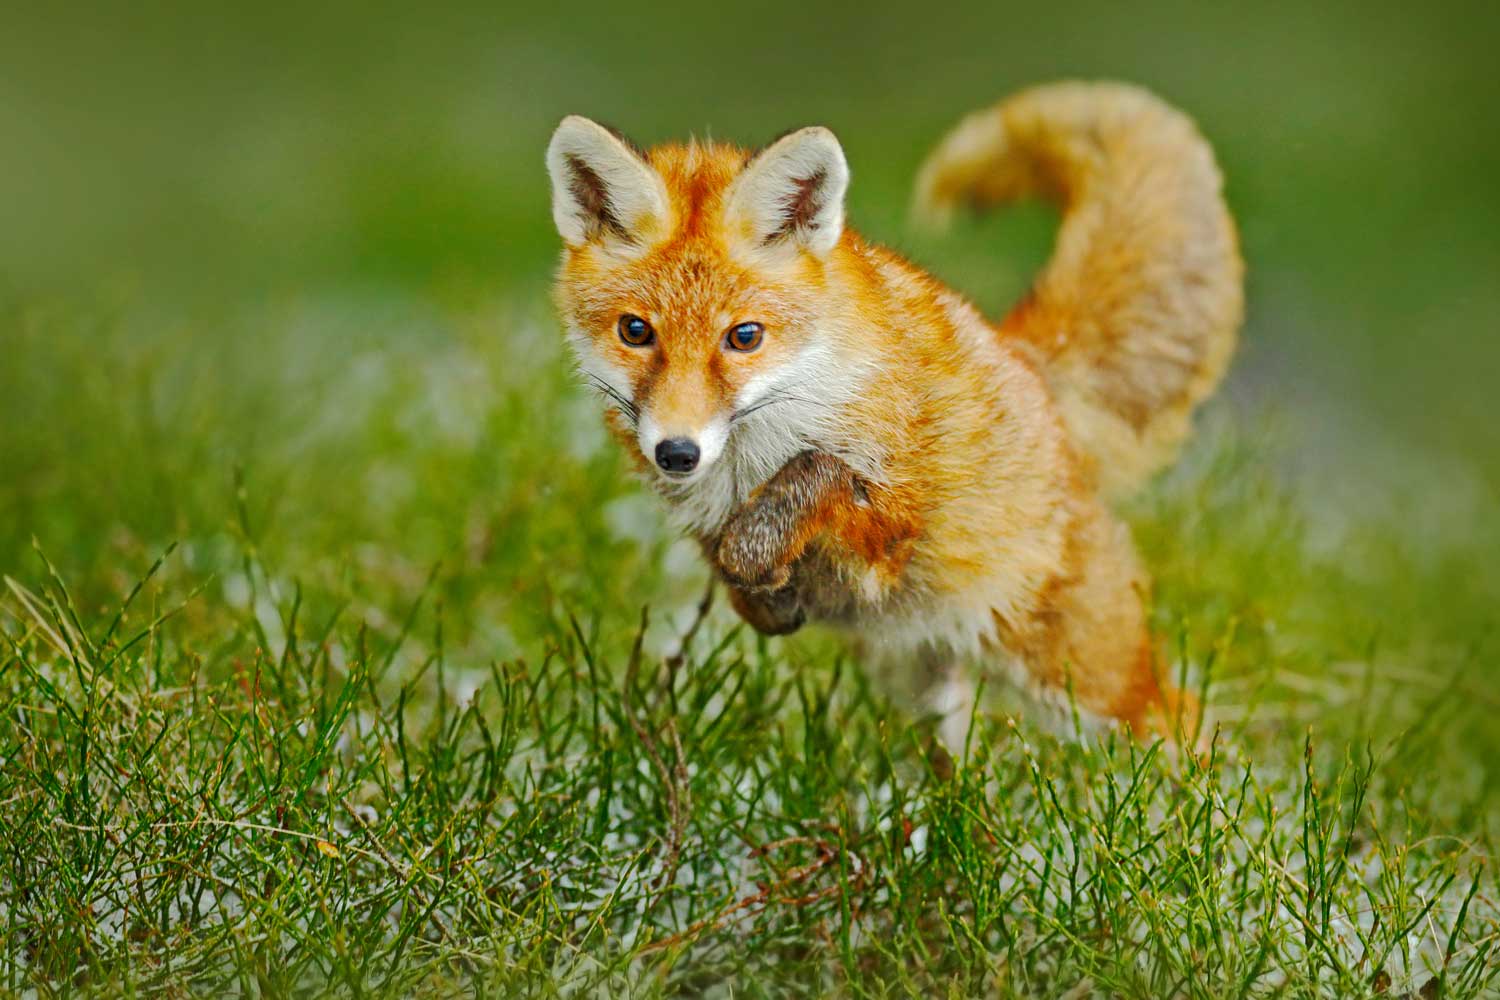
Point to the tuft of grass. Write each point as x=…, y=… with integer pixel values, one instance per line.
x=339, y=679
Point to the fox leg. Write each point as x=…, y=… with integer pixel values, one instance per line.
x=951, y=694
x=1087, y=635
x=762, y=540
x=871, y=529
x=931, y=681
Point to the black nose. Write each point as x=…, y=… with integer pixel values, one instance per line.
x=677, y=455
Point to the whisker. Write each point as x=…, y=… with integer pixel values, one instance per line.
x=631, y=411
x=774, y=398
x=775, y=395
x=606, y=389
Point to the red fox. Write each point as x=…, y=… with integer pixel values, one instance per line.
x=852, y=443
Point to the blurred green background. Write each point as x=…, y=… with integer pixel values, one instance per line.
x=189, y=171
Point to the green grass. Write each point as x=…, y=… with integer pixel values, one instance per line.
x=385, y=719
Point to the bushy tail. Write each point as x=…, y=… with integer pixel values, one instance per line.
x=1137, y=312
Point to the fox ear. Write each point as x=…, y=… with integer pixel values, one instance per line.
x=792, y=192
x=602, y=189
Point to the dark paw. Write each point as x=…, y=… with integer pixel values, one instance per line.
x=775, y=612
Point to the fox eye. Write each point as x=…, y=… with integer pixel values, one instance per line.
x=635, y=331
x=744, y=337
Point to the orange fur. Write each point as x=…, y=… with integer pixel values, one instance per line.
x=925, y=478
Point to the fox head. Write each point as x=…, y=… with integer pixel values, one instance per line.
x=693, y=284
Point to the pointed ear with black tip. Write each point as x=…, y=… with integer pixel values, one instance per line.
x=792, y=193
x=603, y=191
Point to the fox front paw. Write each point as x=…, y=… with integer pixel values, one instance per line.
x=753, y=556
x=769, y=612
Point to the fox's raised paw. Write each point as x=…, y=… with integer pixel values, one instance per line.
x=753, y=553
x=769, y=612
